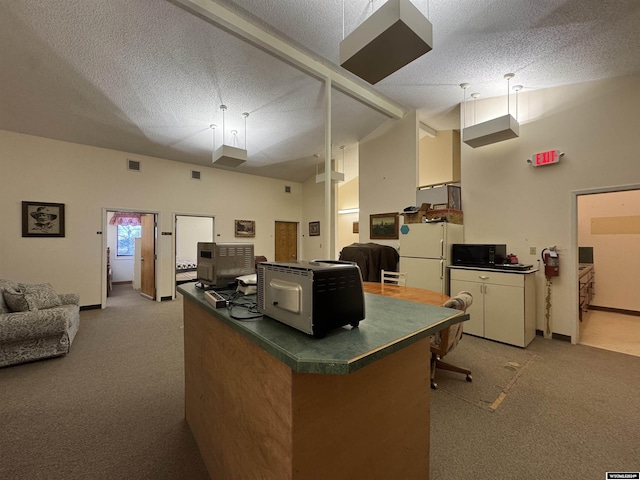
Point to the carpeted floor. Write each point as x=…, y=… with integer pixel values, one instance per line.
x=114, y=407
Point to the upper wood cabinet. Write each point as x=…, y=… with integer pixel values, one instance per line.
x=439, y=158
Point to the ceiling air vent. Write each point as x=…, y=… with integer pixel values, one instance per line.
x=195, y=175
x=133, y=165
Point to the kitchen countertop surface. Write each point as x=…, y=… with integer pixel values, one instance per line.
x=499, y=270
x=390, y=325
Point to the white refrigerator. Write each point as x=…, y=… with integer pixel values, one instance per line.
x=425, y=253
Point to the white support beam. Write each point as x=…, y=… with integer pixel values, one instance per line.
x=216, y=14
x=328, y=184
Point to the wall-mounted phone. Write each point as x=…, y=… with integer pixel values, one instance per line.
x=551, y=262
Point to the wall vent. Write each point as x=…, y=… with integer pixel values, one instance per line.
x=133, y=165
x=195, y=175
x=287, y=189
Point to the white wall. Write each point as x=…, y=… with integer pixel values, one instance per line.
x=313, y=207
x=506, y=200
x=90, y=181
x=388, y=165
x=190, y=231
x=616, y=255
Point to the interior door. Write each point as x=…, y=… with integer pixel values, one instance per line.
x=148, y=257
x=286, y=239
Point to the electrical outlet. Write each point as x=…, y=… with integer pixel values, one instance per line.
x=532, y=250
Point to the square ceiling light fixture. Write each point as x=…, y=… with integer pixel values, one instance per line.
x=491, y=131
x=226, y=155
x=392, y=37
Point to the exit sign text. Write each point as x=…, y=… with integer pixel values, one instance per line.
x=546, y=158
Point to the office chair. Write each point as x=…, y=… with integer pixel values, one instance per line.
x=258, y=259
x=393, y=278
x=447, y=339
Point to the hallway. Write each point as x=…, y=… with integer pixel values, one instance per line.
x=611, y=331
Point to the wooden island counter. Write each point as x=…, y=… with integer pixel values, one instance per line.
x=265, y=401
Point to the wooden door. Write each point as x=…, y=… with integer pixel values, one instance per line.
x=148, y=257
x=286, y=241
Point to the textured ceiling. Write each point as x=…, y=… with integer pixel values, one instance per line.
x=148, y=76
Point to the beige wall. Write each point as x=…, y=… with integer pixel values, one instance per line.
x=439, y=158
x=347, y=198
x=506, y=200
x=388, y=172
x=616, y=254
x=88, y=180
x=313, y=207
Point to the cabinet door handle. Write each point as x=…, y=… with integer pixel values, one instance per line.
x=483, y=277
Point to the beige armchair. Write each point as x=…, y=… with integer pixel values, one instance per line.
x=448, y=338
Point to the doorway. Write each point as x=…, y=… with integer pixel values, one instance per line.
x=129, y=252
x=286, y=241
x=189, y=230
x=607, y=241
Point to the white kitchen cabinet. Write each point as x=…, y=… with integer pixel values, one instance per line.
x=504, y=304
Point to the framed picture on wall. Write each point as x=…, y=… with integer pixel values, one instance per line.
x=245, y=228
x=314, y=229
x=383, y=226
x=42, y=219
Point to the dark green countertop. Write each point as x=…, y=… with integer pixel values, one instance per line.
x=390, y=325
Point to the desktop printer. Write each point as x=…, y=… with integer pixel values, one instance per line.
x=311, y=296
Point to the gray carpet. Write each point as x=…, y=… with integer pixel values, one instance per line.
x=570, y=411
x=114, y=407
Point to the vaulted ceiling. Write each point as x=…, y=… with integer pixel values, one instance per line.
x=148, y=76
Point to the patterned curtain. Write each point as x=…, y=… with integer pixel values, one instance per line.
x=125, y=218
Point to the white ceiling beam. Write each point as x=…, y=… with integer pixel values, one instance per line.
x=214, y=13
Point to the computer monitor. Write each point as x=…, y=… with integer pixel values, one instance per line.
x=220, y=263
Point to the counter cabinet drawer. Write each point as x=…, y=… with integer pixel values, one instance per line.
x=497, y=278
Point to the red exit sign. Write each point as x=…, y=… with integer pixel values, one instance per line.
x=546, y=158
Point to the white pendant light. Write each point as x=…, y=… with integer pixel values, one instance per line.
x=492, y=131
x=335, y=176
x=392, y=37
x=227, y=155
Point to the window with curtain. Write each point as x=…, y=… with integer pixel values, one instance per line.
x=128, y=229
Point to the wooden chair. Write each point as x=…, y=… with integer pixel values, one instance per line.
x=448, y=338
x=393, y=278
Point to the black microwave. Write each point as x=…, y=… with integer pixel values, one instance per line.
x=478, y=255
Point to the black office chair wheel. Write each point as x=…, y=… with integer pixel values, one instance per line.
x=434, y=386
x=355, y=324
x=469, y=379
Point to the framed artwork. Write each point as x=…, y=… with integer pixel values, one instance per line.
x=42, y=219
x=439, y=206
x=454, y=199
x=383, y=226
x=356, y=227
x=245, y=228
x=314, y=229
